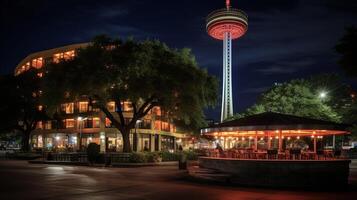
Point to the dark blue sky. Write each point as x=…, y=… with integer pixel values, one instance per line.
x=286, y=38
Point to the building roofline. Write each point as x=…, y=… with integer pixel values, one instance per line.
x=50, y=52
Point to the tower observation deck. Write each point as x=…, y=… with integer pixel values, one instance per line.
x=227, y=24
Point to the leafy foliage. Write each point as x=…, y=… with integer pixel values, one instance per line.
x=93, y=151
x=147, y=74
x=19, y=104
x=301, y=98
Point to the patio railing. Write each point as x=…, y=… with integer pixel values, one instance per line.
x=292, y=154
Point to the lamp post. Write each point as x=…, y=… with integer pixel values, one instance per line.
x=135, y=137
x=80, y=124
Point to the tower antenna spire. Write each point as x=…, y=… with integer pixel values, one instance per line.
x=228, y=4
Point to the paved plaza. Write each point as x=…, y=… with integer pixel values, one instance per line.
x=20, y=180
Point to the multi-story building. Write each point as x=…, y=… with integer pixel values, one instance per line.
x=80, y=121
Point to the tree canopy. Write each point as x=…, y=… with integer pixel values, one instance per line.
x=19, y=104
x=146, y=73
x=301, y=97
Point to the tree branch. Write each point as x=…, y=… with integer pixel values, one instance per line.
x=119, y=111
x=116, y=123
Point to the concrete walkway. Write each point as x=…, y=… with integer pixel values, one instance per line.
x=20, y=180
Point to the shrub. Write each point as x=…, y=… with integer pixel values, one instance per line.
x=93, y=150
x=26, y=156
x=153, y=157
x=168, y=156
x=138, y=158
x=191, y=155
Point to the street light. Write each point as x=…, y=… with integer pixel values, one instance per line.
x=80, y=119
x=135, y=136
x=323, y=95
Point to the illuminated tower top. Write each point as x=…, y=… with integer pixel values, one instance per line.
x=234, y=21
x=227, y=24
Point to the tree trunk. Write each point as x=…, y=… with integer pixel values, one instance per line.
x=25, y=141
x=126, y=141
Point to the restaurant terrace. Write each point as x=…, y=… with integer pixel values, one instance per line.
x=273, y=149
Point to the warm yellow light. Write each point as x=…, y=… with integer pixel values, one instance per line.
x=277, y=137
x=289, y=138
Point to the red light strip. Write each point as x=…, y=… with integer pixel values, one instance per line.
x=228, y=3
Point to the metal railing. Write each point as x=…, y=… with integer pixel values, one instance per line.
x=80, y=157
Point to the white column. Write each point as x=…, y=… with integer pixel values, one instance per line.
x=315, y=144
x=280, y=141
x=227, y=102
x=256, y=141
x=102, y=138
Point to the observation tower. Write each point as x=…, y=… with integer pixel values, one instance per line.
x=227, y=24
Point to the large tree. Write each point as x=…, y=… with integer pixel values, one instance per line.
x=19, y=105
x=297, y=97
x=146, y=73
x=347, y=48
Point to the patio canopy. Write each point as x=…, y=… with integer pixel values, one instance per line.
x=275, y=124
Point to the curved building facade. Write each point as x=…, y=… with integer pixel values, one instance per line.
x=154, y=132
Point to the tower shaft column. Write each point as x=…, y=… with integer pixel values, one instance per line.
x=227, y=102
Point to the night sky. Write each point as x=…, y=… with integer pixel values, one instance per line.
x=286, y=38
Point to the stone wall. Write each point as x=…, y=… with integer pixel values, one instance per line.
x=282, y=173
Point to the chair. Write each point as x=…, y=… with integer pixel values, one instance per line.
x=272, y=153
x=319, y=154
x=337, y=153
x=295, y=154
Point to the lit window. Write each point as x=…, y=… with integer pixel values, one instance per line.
x=69, y=123
x=157, y=125
x=127, y=107
x=39, y=125
x=157, y=111
x=63, y=56
x=165, y=126
x=27, y=66
x=96, y=122
x=68, y=55
x=83, y=106
x=48, y=125
x=68, y=108
x=37, y=63
x=40, y=107
x=108, y=123
x=111, y=106
x=57, y=57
